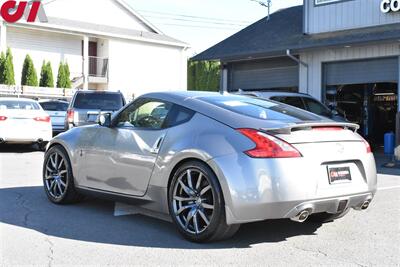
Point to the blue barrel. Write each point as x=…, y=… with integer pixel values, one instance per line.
x=389, y=143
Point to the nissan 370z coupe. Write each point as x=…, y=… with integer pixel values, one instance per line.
x=213, y=162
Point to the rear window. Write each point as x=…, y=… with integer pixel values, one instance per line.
x=21, y=105
x=102, y=101
x=54, y=106
x=261, y=109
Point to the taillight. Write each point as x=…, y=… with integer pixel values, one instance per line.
x=3, y=118
x=42, y=119
x=268, y=146
x=367, y=146
x=70, y=115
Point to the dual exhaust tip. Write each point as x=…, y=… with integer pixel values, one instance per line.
x=365, y=205
x=303, y=215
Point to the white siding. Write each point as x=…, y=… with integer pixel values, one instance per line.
x=41, y=45
x=103, y=12
x=311, y=80
x=346, y=15
x=140, y=68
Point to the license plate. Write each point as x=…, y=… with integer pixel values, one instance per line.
x=92, y=118
x=339, y=174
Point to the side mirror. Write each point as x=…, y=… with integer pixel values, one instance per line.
x=105, y=120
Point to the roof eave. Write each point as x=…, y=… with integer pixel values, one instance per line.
x=77, y=31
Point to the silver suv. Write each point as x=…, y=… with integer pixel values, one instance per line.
x=86, y=106
x=299, y=100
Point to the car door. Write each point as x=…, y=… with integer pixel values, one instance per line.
x=125, y=154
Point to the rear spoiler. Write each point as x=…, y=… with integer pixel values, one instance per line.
x=309, y=125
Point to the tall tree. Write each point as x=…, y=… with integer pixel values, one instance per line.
x=9, y=77
x=68, y=83
x=63, y=77
x=2, y=67
x=29, y=75
x=46, y=75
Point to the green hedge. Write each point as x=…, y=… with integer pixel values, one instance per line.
x=204, y=75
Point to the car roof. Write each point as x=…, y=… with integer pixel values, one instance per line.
x=270, y=94
x=17, y=99
x=97, y=92
x=201, y=102
x=53, y=100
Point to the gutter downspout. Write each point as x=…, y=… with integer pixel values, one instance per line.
x=223, y=87
x=300, y=62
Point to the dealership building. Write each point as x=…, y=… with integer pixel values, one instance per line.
x=343, y=52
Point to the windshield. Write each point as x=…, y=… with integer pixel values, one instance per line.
x=102, y=101
x=18, y=105
x=261, y=109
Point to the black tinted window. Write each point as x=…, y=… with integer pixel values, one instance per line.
x=102, y=101
x=261, y=109
x=54, y=106
x=290, y=100
x=179, y=115
x=316, y=107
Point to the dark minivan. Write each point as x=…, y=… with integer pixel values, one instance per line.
x=86, y=106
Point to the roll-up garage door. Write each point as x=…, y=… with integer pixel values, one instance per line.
x=360, y=72
x=266, y=74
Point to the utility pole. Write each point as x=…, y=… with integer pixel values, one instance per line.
x=267, y=4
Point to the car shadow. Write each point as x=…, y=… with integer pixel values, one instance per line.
x=93, y=221
x=19, y=149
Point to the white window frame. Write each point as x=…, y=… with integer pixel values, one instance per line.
x=326, y=2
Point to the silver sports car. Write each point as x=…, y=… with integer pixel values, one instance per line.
x=213, y=162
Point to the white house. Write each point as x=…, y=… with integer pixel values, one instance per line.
x=106, y=43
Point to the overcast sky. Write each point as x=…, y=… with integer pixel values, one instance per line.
x=203, y=23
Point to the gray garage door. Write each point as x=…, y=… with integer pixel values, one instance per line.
x=266, y=74
x=360, y=72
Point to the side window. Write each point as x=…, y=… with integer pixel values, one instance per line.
x=316, y=107
x=148, y=115
x=292, y=101
x=179, y=115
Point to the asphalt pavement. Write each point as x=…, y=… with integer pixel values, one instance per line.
x=35, y=232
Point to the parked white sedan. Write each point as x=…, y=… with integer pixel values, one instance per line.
x=23, y=121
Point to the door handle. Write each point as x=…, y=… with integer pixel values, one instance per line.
x=157, y=145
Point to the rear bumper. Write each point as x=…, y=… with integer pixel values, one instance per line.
x=28, y=136
x=256, y=190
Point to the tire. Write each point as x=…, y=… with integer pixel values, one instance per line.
x=197, y=207
x=58, y=180
x=327, y=217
